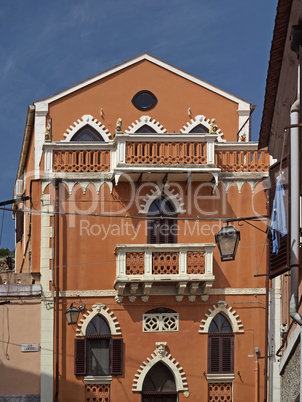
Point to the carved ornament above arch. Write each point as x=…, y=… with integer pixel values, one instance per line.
x=228, y=312
x=200, y=119
x=157, y=192
x=104, y=311
x=87, y=119
x=160, y=354
x=146, y=120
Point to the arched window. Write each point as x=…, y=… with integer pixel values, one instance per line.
x=163, y=228
x=200, y=128
x=220, y=346
x=159, y=385
x=145, y=129
x=98, y=354
x=87, y=133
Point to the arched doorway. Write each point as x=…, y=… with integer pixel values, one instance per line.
x=159, y=385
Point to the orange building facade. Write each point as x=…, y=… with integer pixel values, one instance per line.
x=130, y=175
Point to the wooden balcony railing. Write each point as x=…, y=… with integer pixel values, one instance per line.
x=166, y=152
x=81, y=161
x=188, y=267
x=236, y=160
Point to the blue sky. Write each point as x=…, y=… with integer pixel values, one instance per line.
x=47, y=46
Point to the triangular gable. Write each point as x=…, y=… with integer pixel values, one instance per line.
x=145, y=56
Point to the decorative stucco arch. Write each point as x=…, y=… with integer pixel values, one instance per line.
x=156, y=193
x=87, y=119
x=146, y=120
x=104, y=311
x=160, y=355
x=232, y=316
x=200, y=119
x=70, y=184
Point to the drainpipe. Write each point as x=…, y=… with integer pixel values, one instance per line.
x=295, y=211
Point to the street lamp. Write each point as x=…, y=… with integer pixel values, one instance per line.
x=72, y=315
x=227, y=240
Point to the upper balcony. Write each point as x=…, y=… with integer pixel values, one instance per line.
x=152, y=157
x=164, y=269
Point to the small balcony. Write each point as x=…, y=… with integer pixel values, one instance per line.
x=164, y=269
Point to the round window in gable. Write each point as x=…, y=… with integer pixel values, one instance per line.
x=144, y=100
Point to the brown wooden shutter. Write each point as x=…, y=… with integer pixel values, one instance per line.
x=221, y=353
x=280, y=263
x=213, y=354
x=227, y=354
x=80, y=356
x=116, y=356
x=19, y=225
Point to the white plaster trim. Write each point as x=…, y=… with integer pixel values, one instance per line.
x=156, y=193
x=294, y=338
x=98, y=380
x=146, y=120
x=84, y=293
x=243, y=105
x=41, y=111
x=104, y=311
x=170, y=362
x=87, y=119
x=201, y=119
x=220, y=377
x=221, y=307
x=47, y=312
x=84, y=183
x=238, y=291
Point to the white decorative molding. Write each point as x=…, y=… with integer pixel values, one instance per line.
x=158, y=192
x=237, y=291
x=97, y=379
x=83, y=183
x=87, y=119
x=160, y=322
x=220, y=378
x=201, y=119
x=161, y=355
x=221, y=307
x=104, y=311
x=146, y=120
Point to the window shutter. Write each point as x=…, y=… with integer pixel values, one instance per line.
x=213, y=354
x=19, y=225
x=80, y=356
x=227, y=347
x=116, y=356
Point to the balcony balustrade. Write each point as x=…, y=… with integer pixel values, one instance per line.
x=166, y=269
x=137, y=154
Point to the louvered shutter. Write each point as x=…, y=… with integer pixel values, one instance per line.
x=213, y=354
x=221, y=354
x=116, y=356
x=19, y=225
x=80, y=356
x=227, y=354
x=153, y=230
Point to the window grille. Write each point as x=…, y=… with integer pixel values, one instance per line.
x=160, y=322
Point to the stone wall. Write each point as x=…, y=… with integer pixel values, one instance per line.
x=290, y=382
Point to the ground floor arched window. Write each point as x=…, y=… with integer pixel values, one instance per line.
x=159, y=385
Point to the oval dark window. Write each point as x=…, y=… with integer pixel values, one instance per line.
x=144, y=100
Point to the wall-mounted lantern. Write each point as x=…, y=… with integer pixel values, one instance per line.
x=72, y=315
x=227, y=240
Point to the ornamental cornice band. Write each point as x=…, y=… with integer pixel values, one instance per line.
x=146, y=120
x=87, y=119
x=221, y=307
x=160, y=355
x=104, y=311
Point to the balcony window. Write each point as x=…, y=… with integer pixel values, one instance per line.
x=162, y=228
x=87, y=133
x=200, y=128
x=145, y=129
